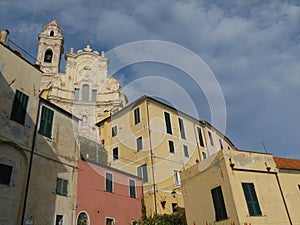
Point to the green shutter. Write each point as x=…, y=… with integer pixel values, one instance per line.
x=145, y=173
x=168, y=123
x=46, y=122
x=219, y=204
x=19, y=107
x=251, y=199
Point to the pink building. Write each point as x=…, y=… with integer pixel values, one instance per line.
x=107, y=196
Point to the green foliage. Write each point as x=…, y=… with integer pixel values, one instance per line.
x=173, y=219
x=92, y=150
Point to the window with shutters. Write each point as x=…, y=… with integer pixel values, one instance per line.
x=137, y=117
x=168, y=123
x=109, y=182
x=132, y=190
x=19, y=107
x=139, y=143
x=142, y=172
x=181, y=128
x=5, y=174
x=186, y=151
x=200, y=137
x=115, y=153
x=61, y=187
x=46, y=122
x=251, y=199
x=171, y=147
x=219, y=205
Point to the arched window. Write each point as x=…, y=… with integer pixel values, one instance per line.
x=83, y=219
x=51, y=33
x=85, y=93
x=48, y=56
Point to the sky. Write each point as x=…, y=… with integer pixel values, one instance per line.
x=249, y=50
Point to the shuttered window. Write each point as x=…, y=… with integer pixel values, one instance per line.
x=18, y=112
x=46, y=122
x=61, y=187
x=142, y=172
x=219, y=205
x=132, y=190
x=251, y=199
x=109, y=182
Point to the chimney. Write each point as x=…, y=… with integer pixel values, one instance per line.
x=3, y=36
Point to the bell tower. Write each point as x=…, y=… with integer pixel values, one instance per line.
x=50, y=48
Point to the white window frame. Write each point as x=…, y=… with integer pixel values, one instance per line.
x=112, y=181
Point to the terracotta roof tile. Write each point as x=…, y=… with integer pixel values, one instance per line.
x=286, y=163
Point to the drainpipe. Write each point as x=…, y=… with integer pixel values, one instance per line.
x=284, y=202
x=152, y=161
x=30, y=163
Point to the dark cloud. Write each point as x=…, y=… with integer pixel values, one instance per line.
x=252, y=47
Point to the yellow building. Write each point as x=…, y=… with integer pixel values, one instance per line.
x=38, y=150
x=155, y=141
x=239, y=187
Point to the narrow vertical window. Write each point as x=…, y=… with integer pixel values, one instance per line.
x=139, y=143
x=219, y=205
x=186, y=151
x=137, y=117
x=115, y=153
x=94, y=95
x=201, y=142
x=85, y=93
x=5, y=174
x=251, y=199
x=171, y=146
x=211, y=138
x=114, y=131
x=46, y=122
x=176, y=175
x=174, y=207
x=142, y=172
x=59, y=219
x=109, y=182
x=61, y=187
x=76, y=94
x=168, y=123
x=181, y=128
x=18, y=112
x=221, y=144
x=132, y=190
x=48, y=56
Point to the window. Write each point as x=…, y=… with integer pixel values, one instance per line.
x=137, y=117
x=83, y=219
x=46, y=122
x=51, y=33
x=133, y=222
x=221, y=144
x=251, y=199
x=76, y=94
x=204, y=155
x=181, y=127
x=48, y=56
x=61, y=187
x=109, y=182
x=219, y=205
x=142, y=172
x=200, y=136
x=171, y=146
x=85, y=93
x=210, y=138
x=168, y=123
x=94, y=95
x=176, y=175
x=139, y=143
x=186, y=150
x=109, y=221
x=115, y=153
x=174, y=207
x=5, y=174
x=18, y=112
x=114, y=131
x=132, y=190
x=59, y=220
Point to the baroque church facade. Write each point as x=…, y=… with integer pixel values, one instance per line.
x=85, y=89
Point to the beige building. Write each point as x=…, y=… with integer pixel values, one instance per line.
x=155, y=141
x=38, y=149
x=239, y=187
x=84, y=89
